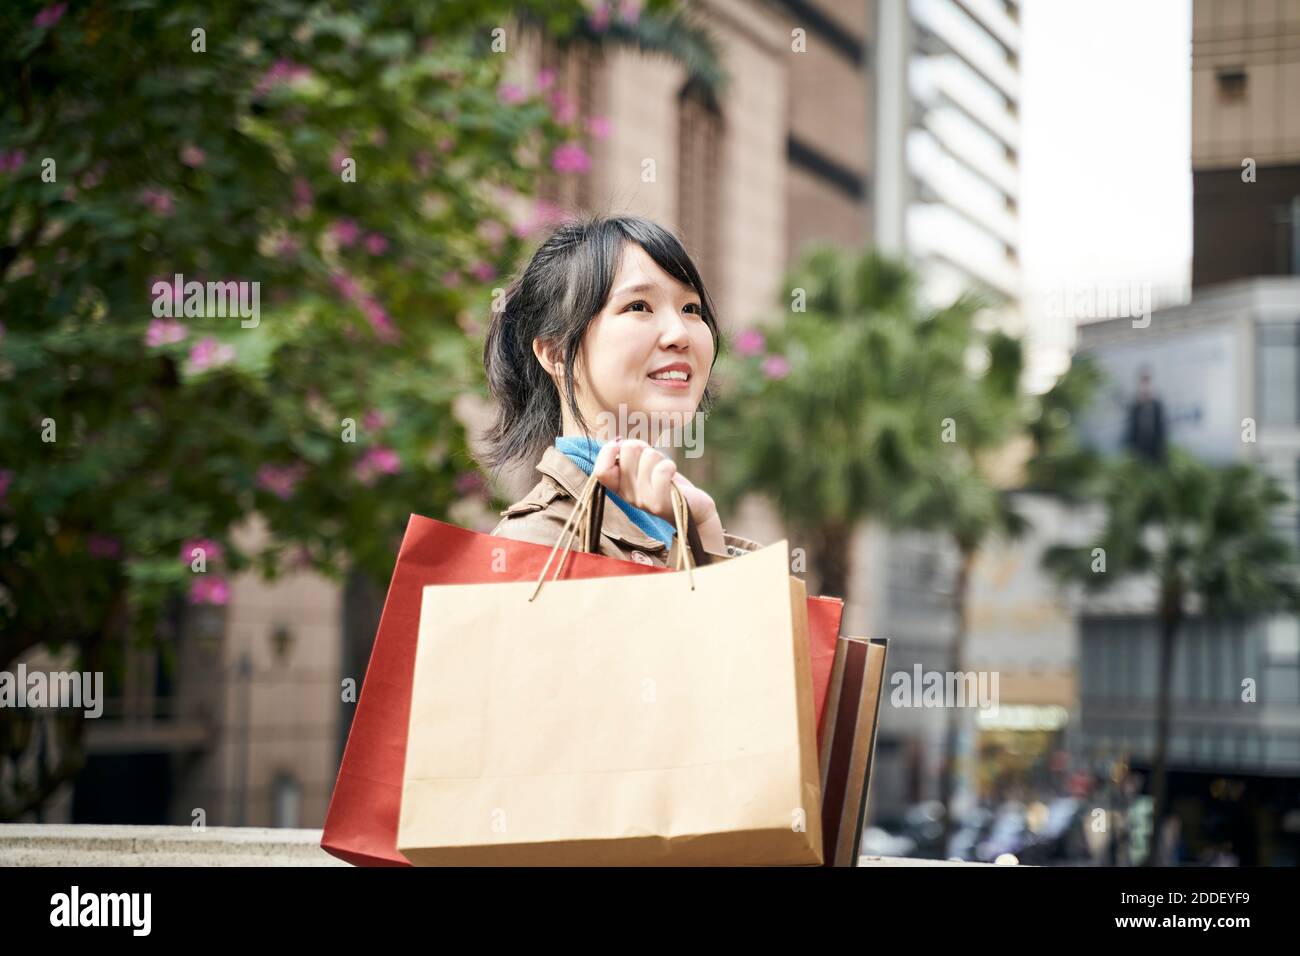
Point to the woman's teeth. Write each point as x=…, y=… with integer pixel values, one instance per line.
x=681, y=376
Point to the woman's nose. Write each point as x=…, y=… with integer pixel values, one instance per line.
x=675, y=333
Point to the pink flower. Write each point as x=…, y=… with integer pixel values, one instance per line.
x=379, y=321
x=545, y=79
x=164, y=332
x=446, y=144
x=511, y=94
x=599, y=16
x=562, y=108
x=208, y=353
x=423, y=162
x=776, y=366
x=345, y=232
x=280, y=480
x=374, y=420
x=209, y=589
x=493, y=231
x=451, y=278
x=570, y=158
x=598, y=126
x=376, y=244
x=103, y=546
x=629, y=11
x=281, y=71
x=159, y=200
x=750, y=342
x=375, y=462
x=545, y=213
x=469, y=483
x=287, y=246
x=49, y=15
x=12, y=161
x=192, y=156
x=6, y=479
x=93, y=177
x=346, y=286
x=212, y=550
x=302, y=194
x=483, y=271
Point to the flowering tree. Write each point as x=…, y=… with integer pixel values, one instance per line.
x=245, y=252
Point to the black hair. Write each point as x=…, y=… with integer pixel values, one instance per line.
x=563, y=287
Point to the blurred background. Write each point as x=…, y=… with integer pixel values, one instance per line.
x=1011, y=295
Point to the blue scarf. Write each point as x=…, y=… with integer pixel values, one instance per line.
x=583, y=450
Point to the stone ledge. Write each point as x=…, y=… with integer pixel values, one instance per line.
x=58, y=844
x=37, y=844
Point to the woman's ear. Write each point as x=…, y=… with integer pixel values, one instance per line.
x=549, y=356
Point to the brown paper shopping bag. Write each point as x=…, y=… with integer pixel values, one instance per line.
x=657, y=719
x=848, y=744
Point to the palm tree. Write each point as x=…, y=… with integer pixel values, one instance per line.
x=1063, y=464
x=818, y=416
x=888, y=412
x=1200, y=533
x=954, y=493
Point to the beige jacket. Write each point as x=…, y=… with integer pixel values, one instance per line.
x=540, y=516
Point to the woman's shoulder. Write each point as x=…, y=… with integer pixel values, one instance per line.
x=538, y=516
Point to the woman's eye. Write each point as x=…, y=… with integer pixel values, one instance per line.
x=695, y=306
x=633, y=305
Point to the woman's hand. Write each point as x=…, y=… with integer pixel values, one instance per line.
x=641, y=475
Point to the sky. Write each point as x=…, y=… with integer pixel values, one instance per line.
x=1106, y=188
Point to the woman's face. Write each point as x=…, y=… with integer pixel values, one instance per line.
x=647, y=351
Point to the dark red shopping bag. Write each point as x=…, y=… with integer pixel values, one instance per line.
x=361, y=823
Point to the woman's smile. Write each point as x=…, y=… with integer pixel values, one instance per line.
x=675, y=377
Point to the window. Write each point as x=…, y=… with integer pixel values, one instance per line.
x=699, y=142
x=1279, y=374
x=1231, y=82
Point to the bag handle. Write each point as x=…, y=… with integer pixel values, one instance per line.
x=583, y=504
x=596, y=517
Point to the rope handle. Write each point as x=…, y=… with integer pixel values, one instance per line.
x=681, y=515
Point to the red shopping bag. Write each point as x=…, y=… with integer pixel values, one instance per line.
x=361, y=823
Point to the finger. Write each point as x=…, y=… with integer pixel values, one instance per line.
x=655, y=502
x=661, y=480
x=606, y=468
x=629, y=458
x=646, y=465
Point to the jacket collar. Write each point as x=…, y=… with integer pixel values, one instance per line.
x=560, y=468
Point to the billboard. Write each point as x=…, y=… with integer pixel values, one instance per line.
x=1186, y=386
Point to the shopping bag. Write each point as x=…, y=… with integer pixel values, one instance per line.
x=662, y=719
x=848, y=744
x=361, y=821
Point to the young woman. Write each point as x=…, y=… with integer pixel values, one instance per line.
x=609, y=323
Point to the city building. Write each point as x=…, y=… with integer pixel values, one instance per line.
x=1226, y=368
x=1245, y=140
x=948, y=144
